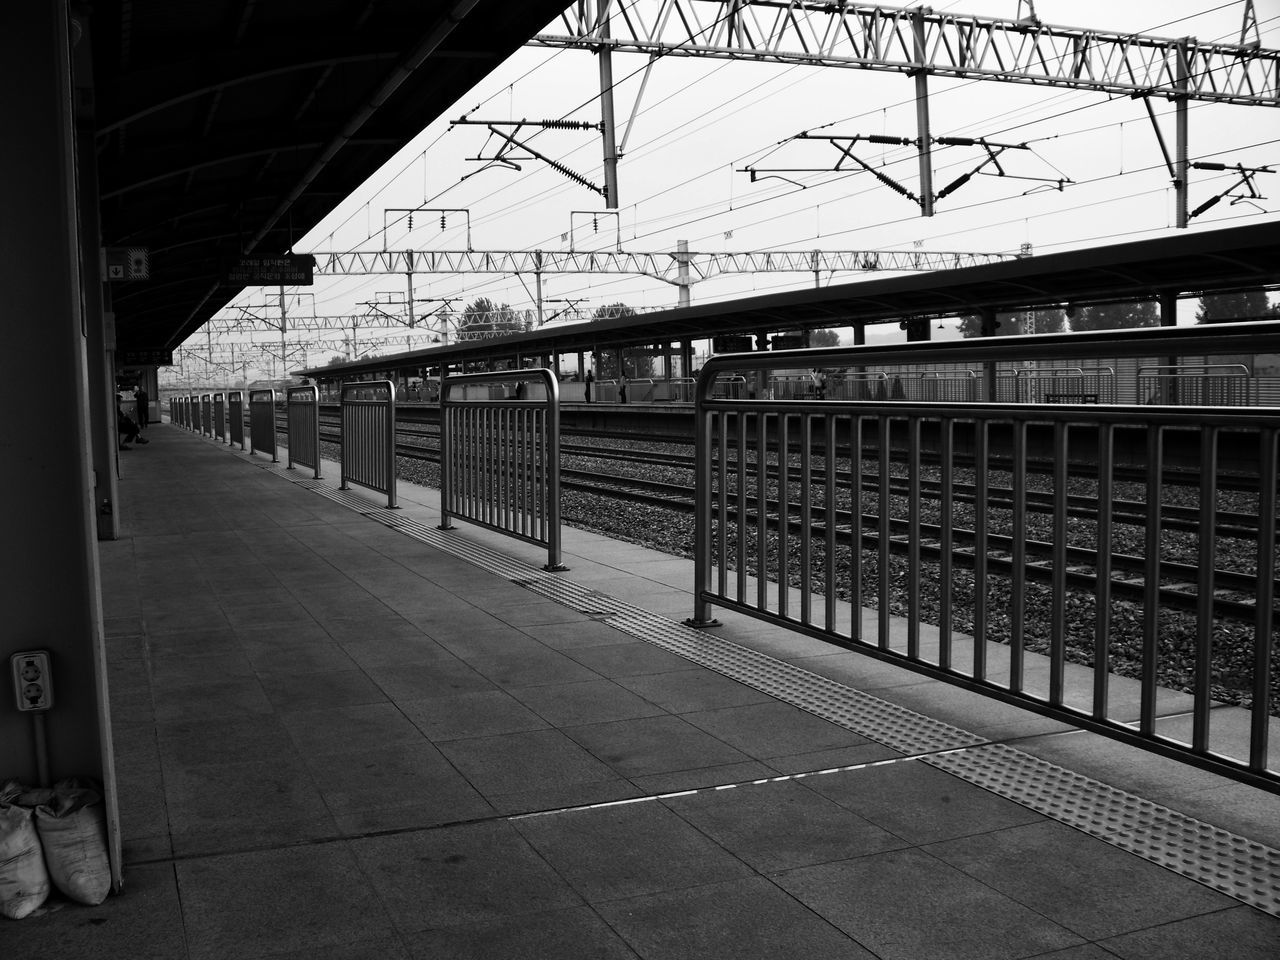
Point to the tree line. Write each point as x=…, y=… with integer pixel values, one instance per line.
x=1213, y=308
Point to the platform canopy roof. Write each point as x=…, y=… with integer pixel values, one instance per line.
x=1192, y=263
x=227, y=128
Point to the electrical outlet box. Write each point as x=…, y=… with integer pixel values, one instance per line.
x=32, y=680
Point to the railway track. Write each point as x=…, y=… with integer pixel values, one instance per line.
x=1003, y=555
x=1123, y=511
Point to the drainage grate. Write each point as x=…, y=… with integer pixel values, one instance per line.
x=1233, y=865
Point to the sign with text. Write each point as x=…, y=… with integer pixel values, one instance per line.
x=786, y=341
x=731, y=344
x=291, y=269
x=145, y=358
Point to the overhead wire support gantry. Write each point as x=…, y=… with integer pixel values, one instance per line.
x=510, y=143
x=845, y=144
x=876, y=37
x=681, y=268
x=921, y=42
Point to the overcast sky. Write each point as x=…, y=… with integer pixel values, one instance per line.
x=701, y=121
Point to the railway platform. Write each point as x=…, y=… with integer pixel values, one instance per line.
x=343, y=733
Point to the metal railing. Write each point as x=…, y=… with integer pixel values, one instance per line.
x=960, y=387
x=1056, y=385
x=675, y=390
x=206, y=415
x=304, y=427
x=500, y=459
x=235, y=418
x=794, y=386
x=262, y=423
x=1111, y=566
x=220, y=417
x=1210, y=384
x=369, y=437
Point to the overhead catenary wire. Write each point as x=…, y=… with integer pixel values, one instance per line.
x=648, y=227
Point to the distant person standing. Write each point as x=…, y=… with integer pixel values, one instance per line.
x=144, y=408
x=587, y=381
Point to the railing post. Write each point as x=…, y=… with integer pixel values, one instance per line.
x=702, y=499
x=500, y=455
x=303, y=405
x=262, y=423
x=369, y=437
x=235, y=418
x=219, y=416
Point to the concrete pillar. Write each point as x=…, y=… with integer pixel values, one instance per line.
x=49, y=574
x=99, y=321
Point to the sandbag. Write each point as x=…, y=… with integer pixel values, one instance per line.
x=24, y=880
x=72, y=825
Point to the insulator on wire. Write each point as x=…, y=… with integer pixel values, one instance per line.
x=442, y=223
x=411, y=221
x=1204, y=206
x=955, y=184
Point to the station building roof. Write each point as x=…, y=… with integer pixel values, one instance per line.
x=1190, y=263
x=226, y=128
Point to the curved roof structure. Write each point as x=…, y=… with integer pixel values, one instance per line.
x=226, y=128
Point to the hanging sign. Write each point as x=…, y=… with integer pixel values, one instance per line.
x=290, y=269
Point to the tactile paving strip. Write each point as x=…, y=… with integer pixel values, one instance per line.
x=869, y=716
x=1234, y=865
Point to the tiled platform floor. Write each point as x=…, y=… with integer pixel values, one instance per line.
x=335, y=742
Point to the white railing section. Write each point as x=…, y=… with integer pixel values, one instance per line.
x=303, y=420
x=1112, y=566
x=262, y=423
x=369, y=437
x=500, y=455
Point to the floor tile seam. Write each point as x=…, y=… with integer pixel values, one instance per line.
x=343, y=838
x=1164, y=837
x=182, y=913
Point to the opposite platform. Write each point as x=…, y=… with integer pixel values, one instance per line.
x=342, y=733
